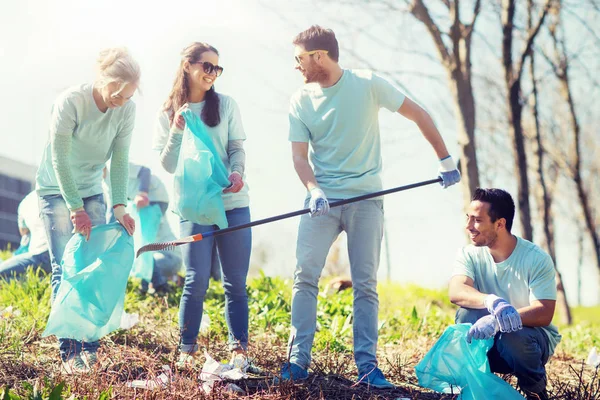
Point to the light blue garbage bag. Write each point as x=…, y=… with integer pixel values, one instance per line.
x=453, y=365
x=90, y=299
x=200, y=176
x=147, y=222
x=23, y=245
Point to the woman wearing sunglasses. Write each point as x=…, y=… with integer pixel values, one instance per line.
x=194, y=89
x=90, y=123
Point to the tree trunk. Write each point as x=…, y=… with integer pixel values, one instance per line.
x=465, y=110
x=456, y=58
x=545, y=202
x=520, y=157
x=543, y=193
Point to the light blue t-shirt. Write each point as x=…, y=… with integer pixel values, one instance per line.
x=526, y=275
x=230, y=128
x=341, y=123
x=94, y=136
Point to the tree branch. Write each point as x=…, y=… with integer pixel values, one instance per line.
x=531, y=38
x=420, y=11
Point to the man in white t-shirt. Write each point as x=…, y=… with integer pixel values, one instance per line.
x=37, y=254
x=506, y=288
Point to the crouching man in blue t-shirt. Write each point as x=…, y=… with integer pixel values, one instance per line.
x=505, y=286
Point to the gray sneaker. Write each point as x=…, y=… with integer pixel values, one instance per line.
x=74, y=364
x=90, y=357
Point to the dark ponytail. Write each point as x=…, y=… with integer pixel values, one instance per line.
x=210, y=112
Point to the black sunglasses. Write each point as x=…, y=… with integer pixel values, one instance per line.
x=209, y=67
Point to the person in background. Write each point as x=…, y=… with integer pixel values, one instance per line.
x=146, y=189
x=31, y=226
x=90, y=124
x=506, y=287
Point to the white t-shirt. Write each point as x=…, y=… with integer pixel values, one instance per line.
x=526, y=275
x=29, y=217
x=156, y=191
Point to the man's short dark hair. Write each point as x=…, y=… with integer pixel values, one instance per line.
x=317, y=38
x=501, y=204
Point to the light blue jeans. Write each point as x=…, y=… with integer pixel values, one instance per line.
x=234, y=252
x=17, y=265
x=59, y=230
x=363, y=224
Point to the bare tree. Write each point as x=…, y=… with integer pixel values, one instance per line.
x=513, y=74
x=456, y=58
x=545, y=187
x=561, y=65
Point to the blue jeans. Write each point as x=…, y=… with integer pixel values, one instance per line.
x=234, y=252
x=59, y=230
x=166, y=264
x=524, y=353
x=363, y=223
x=18, y=264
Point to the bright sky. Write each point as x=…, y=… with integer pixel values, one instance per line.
x=47, y=47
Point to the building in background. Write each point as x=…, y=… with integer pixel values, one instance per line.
x=17, y=179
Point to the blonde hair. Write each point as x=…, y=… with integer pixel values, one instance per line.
x=117, y=65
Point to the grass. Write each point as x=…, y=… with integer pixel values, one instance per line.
x=411, y=320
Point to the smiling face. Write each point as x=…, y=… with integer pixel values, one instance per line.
x=198, y=78
x=116, y=95
x=306, y=63
x=482, y=231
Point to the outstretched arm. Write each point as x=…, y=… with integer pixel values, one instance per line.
x=411, y=110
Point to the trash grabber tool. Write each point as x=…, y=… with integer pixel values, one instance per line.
x=198, y=237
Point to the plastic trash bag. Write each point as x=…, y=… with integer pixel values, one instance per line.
x=147, y=222
x=455, y=366
x=200, y=176
x=23, y=245
x=89, y=302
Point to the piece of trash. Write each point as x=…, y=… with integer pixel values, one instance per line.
x=9, y=313
x=214, y=371
x=128, y=321
x=593, y=358
x=161, y=381
x=205, y=323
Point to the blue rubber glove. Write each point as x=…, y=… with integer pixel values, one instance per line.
x=318, y=203
x=448, y=172
x=485, y=328
x=507, y=316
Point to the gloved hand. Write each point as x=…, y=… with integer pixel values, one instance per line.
x=507, y=316
x=237, y=183
x=485, y=328
x=124, y=219
x=318, y=203
x=141, y=200
x=448, y=172
x=81, y=222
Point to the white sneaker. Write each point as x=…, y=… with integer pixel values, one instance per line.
x=74, y=364
x=185, y=362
